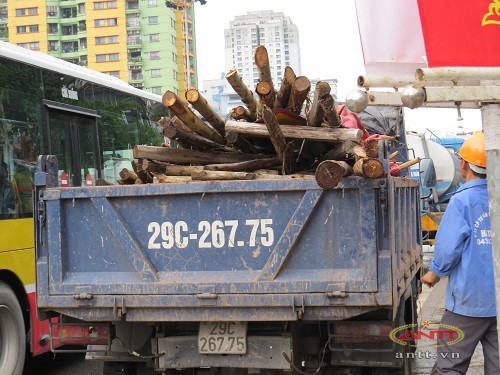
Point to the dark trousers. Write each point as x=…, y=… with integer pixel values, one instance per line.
x=475, y=330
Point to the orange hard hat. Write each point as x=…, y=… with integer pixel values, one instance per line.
x=473, y=152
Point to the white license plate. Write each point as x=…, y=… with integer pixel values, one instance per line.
x=222, y=338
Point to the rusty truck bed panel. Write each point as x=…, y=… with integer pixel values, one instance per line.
x=235, y=250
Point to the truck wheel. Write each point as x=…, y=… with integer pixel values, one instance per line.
x=12, y=333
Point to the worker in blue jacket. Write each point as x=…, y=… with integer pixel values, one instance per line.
x=463, y=252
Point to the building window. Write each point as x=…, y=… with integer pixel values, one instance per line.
x=33, y=28
x=21, y=29
x=100, y=58
x=152, y=3
x=23, y=45
x=113, y=39
x=111, y=4
x=53, y=29
x=26, y=11
x=153, y=20
x=115, y=73
x=52, y=10
x=172, y=22
x=99, y=5
x=155, y=73
x=113, y=56
x=154, y=37
x=154, y=55
x=100, y=40
x=176, y=75
x=133, y=21
x=35, y=46
x=156, y=90
x=53, y=46
x=81, y=8
x=173, y=40
x=105, y=22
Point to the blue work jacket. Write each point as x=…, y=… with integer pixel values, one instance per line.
x=463, y=252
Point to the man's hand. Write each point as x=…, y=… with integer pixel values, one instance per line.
x=430, y=279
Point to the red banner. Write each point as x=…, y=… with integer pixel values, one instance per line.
x=461, y=32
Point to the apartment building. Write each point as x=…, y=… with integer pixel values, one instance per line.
x=272, y=29
x=140, y=41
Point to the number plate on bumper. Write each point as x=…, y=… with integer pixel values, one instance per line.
x=222, y=338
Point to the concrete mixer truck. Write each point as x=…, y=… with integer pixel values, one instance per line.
x=448, y=177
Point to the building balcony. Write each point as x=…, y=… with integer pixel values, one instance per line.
x=191, y=54
x=135, y=60
x=135, y=77
x=133, y=26
x=137, y=85
x=132, y=11
x=134, y=41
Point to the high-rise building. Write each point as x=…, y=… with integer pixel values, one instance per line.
x=271, y=29
x=140, y=41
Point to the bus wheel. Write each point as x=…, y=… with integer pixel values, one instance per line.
x=12, y=333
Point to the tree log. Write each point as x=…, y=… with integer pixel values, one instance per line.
x=300, y=89
x=330, y=172
x=180, y=156
x=103, y=182
x=171, y=170
x=394, y=155
x=144, y=176
x=129, y=177
x=243, y=91
x=266, y=93
x=186, y=138
x=245, y=166
x=316, y=114
x=242, y=113
x=152, y=167
x=275, y=133
x=285, y=88
x=197, y=100
x=262, y=62
x=296, y=176
x=371, y=148
x=342, y=151
x=237, y=141
x=160, y=178
x=220, y=175
x=327, y=104
x=176, y=105
x=333, y=135
x=369, y=168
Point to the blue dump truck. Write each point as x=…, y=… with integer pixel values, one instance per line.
x=234, y=277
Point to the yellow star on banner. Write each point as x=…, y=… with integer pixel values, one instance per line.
x=426, y=324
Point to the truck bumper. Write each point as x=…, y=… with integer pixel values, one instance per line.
x=263, y=352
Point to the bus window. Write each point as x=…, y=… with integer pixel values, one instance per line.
x=87, y=145
x=18, y=147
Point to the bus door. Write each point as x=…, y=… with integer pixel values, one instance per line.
x=72, y=136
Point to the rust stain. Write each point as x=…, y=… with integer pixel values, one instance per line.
x=256, y=253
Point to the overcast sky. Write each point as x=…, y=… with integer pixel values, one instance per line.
x=330, y=48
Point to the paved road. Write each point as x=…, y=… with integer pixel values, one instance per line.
x=63, y=364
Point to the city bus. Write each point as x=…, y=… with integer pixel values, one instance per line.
x=90, y=121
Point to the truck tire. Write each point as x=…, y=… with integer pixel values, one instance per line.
x=12, y=333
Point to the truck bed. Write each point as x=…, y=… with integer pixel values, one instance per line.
x=234, y=251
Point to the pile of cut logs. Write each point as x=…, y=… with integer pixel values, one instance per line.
x=265, y=139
